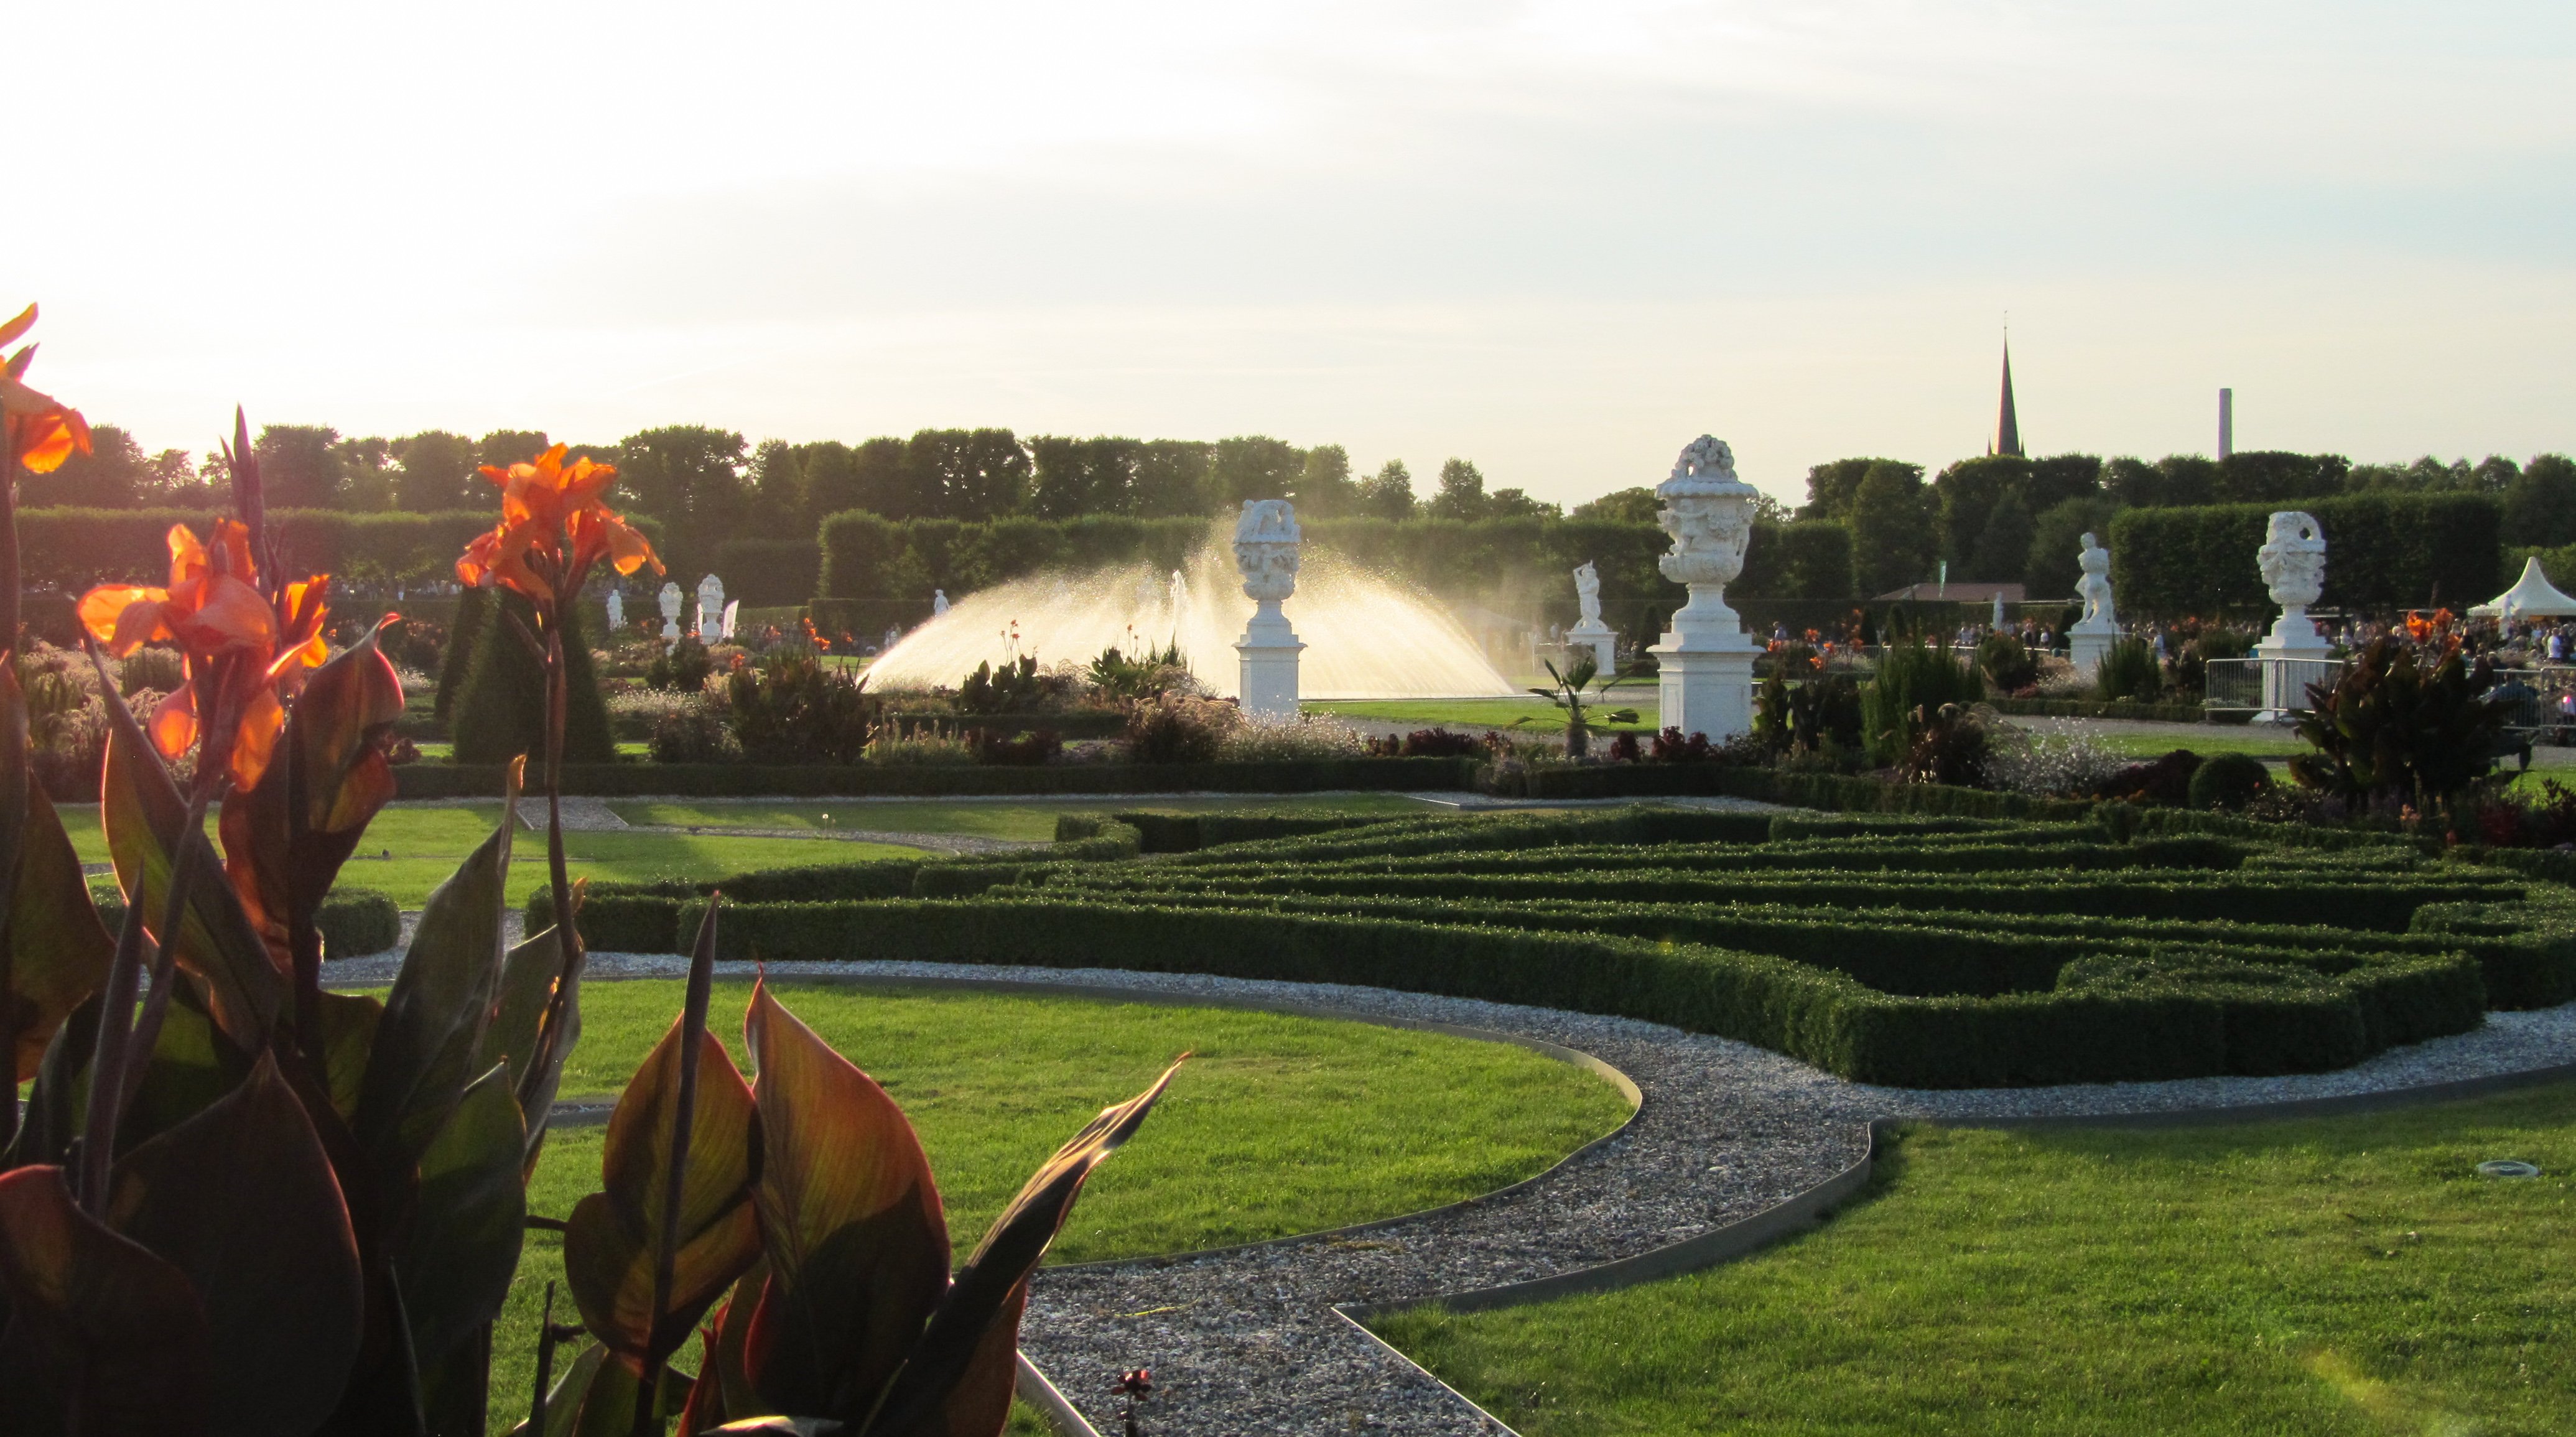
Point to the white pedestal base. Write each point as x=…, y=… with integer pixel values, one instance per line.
x=2288, y=668
x=1266, y=664
x=2087, y=651
x=1601, y=641
x=1705, y=688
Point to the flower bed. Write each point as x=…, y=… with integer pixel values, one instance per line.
x=1939, y=952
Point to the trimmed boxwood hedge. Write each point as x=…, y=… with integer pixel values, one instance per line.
x=743, y=780
x=1923, y=951
x=353, y=921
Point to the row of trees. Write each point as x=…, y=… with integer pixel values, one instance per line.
x=2009, y=519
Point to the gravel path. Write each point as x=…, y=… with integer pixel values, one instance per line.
x=1245, y=1341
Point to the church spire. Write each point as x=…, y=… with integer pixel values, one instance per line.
x=2007, y=438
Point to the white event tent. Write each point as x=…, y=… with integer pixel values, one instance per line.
x=2531, y=597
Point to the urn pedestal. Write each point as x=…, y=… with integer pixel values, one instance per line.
x=1705, y=683
x=1266, y=664
x=1705, y=661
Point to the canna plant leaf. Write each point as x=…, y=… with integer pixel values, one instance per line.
x=850, y=1220
x=98, y=1322
x=426, y=1044
x=17, y=782
x=287, y=837
x=609, y=1241
x=142, y=814
x=242, y=1199
x=191, y=1068
x=957, y=1379
x=58, y=950
x=528, y=977
x=455, y=1265
x=55, y=1104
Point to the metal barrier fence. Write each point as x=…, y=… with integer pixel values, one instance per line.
x=2264, y=685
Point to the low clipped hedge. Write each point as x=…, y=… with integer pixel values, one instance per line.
x=2097, y=709
x=353, y=921
x=1925, y=950
x=743, y=780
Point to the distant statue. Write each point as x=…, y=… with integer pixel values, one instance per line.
x=892, y=638
x=671, y=611
x=2095, y=588
x=710, y=609
x=938, y=602
x=2293, y=559
x=1587, y=591
x=616, y=610
x=1265, y=548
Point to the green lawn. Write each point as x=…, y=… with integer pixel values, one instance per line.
x=1032, y=818
x=2346, y=1276
x=1541, y=716
x=1278, y=1125
x=425, y=845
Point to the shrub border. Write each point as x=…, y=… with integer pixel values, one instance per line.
x=735, y=780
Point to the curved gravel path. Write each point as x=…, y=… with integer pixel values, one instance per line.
x=1245, y=1341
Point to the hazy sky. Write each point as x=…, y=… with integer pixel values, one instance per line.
x=1561, y=239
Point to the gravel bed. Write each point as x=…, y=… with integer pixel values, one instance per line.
x=1245, y=1341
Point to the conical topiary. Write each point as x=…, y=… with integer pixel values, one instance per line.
x=472, y=607
x=500, y=711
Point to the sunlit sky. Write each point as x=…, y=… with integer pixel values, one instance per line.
x=1558, y=238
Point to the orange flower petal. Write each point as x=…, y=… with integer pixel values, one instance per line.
x=25, y=321
x=174, y=722
x=103, y=610
x=187, y=555
x=231, y=614
x=255, y=743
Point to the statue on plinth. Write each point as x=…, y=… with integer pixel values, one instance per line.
x=710, y=609
x=1705, y=662
x=938, y=602
x=1266, y=541
x=670, y=599
x=2095, y=589
x=1588, y=631
x=2293, y=564
x=616, y=610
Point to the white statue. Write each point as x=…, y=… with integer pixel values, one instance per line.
x=710, y=609
x=938, y=602
x=1587, y=591
x=671, y=610
x=1706, y=659
x=892, y=638
x=732, y=611
x=1266, y=538
x=1589, y=632
x=2095, y=589
x=616, y=610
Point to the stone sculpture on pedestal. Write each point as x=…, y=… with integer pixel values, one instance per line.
x=1589, y=632
x=2293, y=564
x=671, y=611
x=1266, y=540
x=1706, y=659
x=938, y=602
x=616, y=611
x=710, y=609
x=2091, y=638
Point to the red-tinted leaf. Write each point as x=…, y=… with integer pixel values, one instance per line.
x=850, y=1219
x=96, y=1319
x=143, y=815
x=242, y=1199
x=528, y=978
x=609, y=1239
x=950, y=1377
x=58, y=950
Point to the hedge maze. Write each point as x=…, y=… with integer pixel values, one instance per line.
x=1896, y=949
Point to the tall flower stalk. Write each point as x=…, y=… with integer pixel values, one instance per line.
x=555, y=528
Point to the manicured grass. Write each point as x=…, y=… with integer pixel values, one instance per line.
x=1278, y=1125
x=425, y=845
x=1542, y=717
x=2346, y=1276
x=1031, y=819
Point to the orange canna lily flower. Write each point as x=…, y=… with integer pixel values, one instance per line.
x=245, y=655
x=41, y=430
x=554, y=527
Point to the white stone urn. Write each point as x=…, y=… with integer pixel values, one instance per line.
x=670, y=602
x=1705, y=662
x=1266, y=542
x=2294, y=654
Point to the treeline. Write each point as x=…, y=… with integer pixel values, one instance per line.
x=2009, y=519
x=711, y=485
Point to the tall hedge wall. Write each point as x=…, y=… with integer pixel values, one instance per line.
x=75, y=548
x=2382, y=550
x=876, y=572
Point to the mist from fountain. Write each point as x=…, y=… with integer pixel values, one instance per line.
x=1367, y=637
